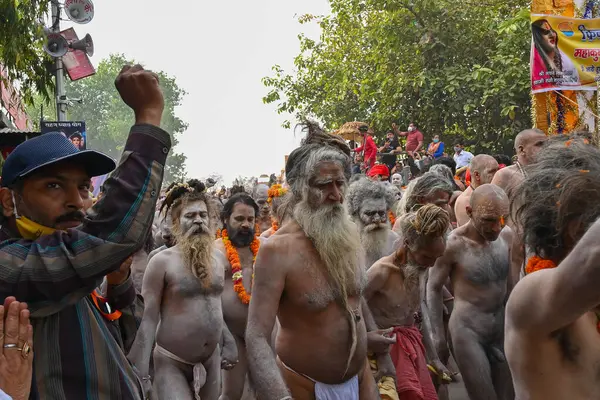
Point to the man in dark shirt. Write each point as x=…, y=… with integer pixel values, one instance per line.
x=53, y=256
x=390, y=147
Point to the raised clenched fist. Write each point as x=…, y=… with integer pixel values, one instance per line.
x=140, y=90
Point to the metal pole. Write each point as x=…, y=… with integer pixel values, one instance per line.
x=60, y=96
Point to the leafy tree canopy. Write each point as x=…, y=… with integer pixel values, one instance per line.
x=454, y=68
x=21, y=40
x=108, y=118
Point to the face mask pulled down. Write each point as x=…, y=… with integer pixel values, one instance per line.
x=29, y=229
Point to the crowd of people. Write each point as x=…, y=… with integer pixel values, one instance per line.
x=325, y=284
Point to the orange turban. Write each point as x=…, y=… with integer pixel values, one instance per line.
x=379, y=169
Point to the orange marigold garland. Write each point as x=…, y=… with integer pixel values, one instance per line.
x=236, y=264
x=537, y=263
x=392, y=217
x=276, y=191
x=274, y=225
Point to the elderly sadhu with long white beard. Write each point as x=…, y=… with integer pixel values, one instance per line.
x=310, y=276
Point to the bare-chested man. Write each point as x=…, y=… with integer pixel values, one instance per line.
x=276, y=198
x=368, y=204
x=182, y=293
x=477, y=260
x=483, y=168
x=238, y=242
x=310, y=276
x=552, y=317
x=260, y=194
x=395, y=292
x=528, y=143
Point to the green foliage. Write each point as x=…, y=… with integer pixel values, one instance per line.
x=454, y=68
x=21, y=41
x=108, y=119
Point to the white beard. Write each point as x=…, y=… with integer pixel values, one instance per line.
x=374, y=241
x=337, y=242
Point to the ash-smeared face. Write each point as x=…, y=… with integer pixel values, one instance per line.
x=373, y=214
x=194, y=219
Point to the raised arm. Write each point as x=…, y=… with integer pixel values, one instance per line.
x=59, y=269
x=152, y=291
x=269, y=282
x=548, y=300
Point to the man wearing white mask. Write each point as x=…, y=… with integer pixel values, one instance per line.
x=414, y=138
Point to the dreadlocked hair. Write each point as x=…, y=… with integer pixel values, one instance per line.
x=560, y=196
x=427, y=223
x=235, y=189
x=181, y=192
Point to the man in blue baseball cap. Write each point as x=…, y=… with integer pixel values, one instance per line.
x=53, y=255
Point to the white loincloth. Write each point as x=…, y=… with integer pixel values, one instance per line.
x=343, y=391
x=199, y=370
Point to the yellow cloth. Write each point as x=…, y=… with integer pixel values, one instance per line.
x=386, y=385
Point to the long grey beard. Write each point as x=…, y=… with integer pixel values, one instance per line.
x=336, y=240
x=197, y=253
x=375, y=242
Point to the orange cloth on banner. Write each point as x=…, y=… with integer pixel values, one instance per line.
x=413, y=380
x=543, y=115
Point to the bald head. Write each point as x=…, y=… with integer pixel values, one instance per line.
x=488, y=211
x=527, y=145
x=487, y=194
x=483, y=168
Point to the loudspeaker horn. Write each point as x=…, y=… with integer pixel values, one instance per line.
x=79, y=11
x=56, y=45
x=86, y=45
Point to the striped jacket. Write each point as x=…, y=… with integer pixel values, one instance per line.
x=76, y=357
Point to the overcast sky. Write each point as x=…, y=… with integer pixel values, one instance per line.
x=218, y=51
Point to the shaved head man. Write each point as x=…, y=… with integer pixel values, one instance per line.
x=483, y=169
x=527, y=144
x=477, y=260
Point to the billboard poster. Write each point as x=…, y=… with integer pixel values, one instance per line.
x=72, y=130
x=565, y=53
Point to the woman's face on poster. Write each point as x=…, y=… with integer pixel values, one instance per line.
x=549, y=35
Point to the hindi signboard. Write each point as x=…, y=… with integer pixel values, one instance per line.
x=73, y=130
x=565, y=53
